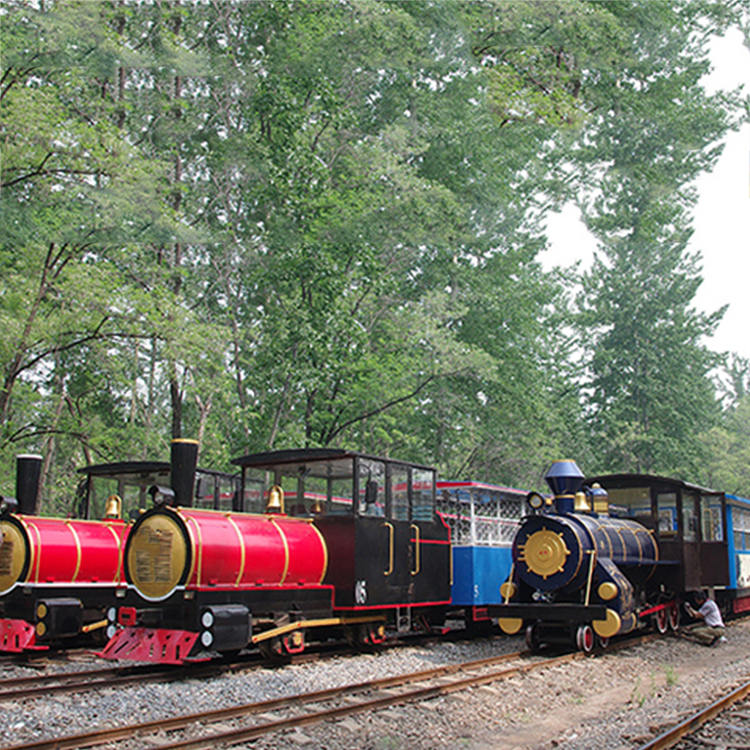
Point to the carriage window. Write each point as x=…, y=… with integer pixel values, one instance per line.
x=689, y=520
x=422, y=508
x=666, y=508
x=316, y=495
x=228, y=491
x=711, y=526
x=371, y=501
x=341, y=501
x=131, y=489
x=630, y=502
x=399, y=510
x=741, y=519
x=253, y=493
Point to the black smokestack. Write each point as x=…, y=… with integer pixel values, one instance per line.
x=183, y=461
x=28, y=472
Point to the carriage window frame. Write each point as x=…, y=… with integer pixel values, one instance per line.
x=398, y=505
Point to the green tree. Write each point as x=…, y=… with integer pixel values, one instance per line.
x=649, y=391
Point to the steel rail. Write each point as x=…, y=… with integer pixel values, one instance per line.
x=688, y=726
x=90, y=739
x=115, y=734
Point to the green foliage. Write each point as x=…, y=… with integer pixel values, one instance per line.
x=278, y=224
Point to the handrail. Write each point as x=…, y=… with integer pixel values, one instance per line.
x=389, y=526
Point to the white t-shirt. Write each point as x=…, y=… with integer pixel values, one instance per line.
x=711, y=614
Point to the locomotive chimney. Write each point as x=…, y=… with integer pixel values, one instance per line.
x=28, y=472
x=183, y=460
x=564, y=479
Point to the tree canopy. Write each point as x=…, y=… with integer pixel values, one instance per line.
x=285, y=224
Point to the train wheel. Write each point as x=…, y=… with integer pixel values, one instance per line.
x=661, y=620
x=271, y=648
x=602, y=642
x=585, y=638
x=373, y=634
x=365, y=636
x=674, y=616
x=294, y=642
x=532, y=637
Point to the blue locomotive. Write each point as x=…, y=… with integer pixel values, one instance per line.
x=590, y=563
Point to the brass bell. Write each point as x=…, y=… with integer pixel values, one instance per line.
x=275, y=500
x=113, y=508
x=581, y=504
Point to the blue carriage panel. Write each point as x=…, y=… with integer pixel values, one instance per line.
x=483, y=520
x=738, y=538
x=478, y=573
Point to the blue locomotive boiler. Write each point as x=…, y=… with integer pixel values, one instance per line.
x=579, y=574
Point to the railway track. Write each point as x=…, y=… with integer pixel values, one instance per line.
x=723, y=724
x=254, y=720
x=40, y=686
x=37, y=686
x=309, y=708
x=57, y=683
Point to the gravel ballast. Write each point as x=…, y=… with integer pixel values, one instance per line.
x=616, y=700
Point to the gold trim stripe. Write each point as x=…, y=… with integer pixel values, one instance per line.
x=79, y=551
x=324, y=623
x=286, y=549
x=242, y=549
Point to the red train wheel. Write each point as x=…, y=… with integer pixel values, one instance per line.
x=294, y=642
x=661, y=620
x=674, y=616
x=585, y=638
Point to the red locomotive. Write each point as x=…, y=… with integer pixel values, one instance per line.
x=365, y=549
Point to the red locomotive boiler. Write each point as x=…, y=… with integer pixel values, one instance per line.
x=46, y=562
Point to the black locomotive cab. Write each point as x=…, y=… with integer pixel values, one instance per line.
x=389, y=549
x=688, y=521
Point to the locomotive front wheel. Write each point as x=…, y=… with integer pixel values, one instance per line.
x=661, y=620
x=294, y=642
x=602, y=641
x=532, y=637
x=585, y=638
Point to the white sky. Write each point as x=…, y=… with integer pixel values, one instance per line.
x=721, y=219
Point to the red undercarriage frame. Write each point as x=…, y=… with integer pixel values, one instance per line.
x=150, y=644
x=17, y=636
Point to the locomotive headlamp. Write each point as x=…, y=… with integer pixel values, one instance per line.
x=111, y=623
x=162, y=495
x=225, y=627
x=8, y=505
x=59, y=617
x=535, y=500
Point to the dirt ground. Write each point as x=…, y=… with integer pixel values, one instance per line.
x=618, y=700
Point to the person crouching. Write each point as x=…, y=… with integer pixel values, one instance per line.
x=710, y=627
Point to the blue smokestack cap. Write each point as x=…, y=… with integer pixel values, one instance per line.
x=564, y=478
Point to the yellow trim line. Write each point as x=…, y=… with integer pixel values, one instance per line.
x=300, y=624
